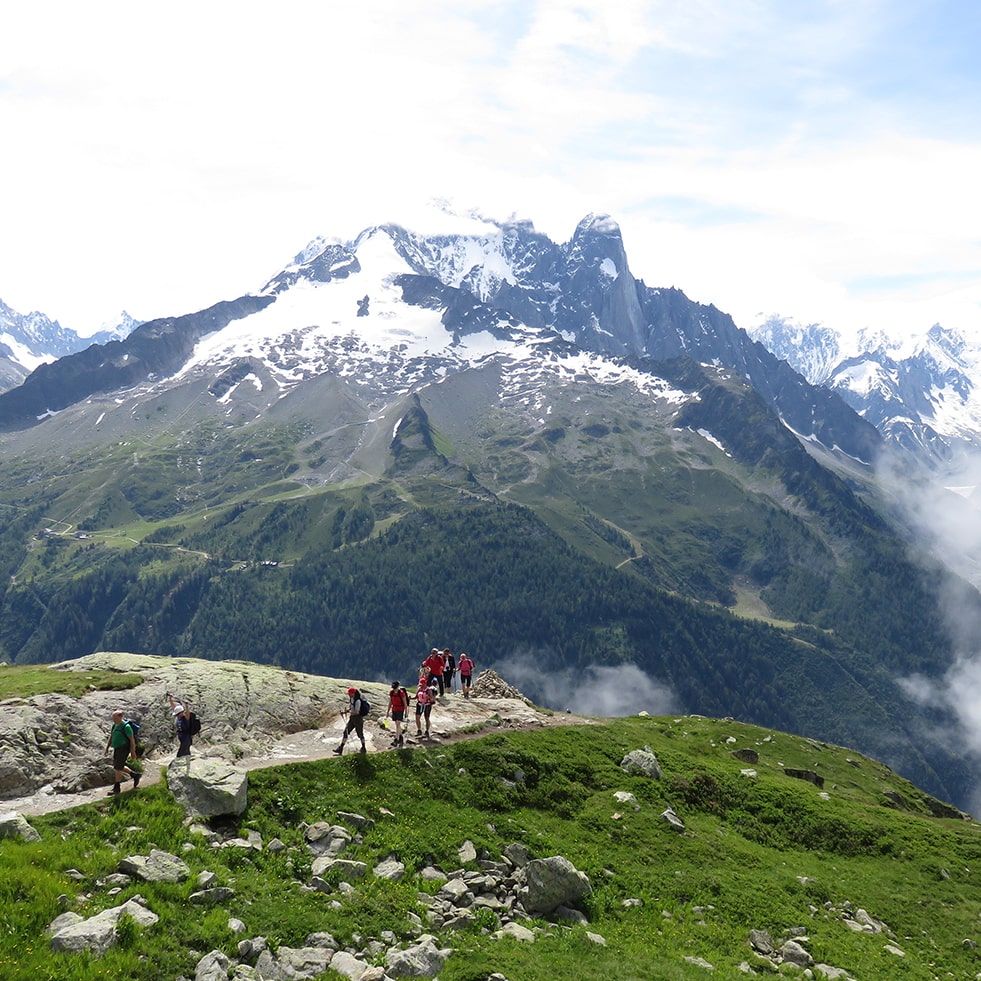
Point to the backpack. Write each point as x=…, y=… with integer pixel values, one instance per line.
x=365, y=707
x=135, y=726
x=194, y=725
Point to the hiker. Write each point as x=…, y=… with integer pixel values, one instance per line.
x=434, y=666
x=424, y=703
x=449, y=669
x=182, y=721
x=122, y=741
x=355, y=712
x=398, y=705
x=466, y=666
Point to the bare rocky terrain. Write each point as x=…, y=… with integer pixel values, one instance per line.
x=52, y=747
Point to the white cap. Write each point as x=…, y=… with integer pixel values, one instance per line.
x=178, y=708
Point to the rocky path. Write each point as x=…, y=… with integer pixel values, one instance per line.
x=453, y=719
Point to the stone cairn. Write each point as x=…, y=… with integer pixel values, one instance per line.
x=489, y=684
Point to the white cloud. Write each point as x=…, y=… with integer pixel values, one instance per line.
x=164, y=158
x=607, y=691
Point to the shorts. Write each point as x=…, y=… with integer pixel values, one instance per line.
x=398, y=715
x=120, y=754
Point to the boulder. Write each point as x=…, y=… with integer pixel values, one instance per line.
x=208, y=788
x=98, y=933
x=642, y=762
x=423, y=960
x=212, y=967
x=14, y=825
x=550, y=883
x=348, y=965
x=290, y=963
x=158, y=866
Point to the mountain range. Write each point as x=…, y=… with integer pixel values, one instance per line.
x=488, y=440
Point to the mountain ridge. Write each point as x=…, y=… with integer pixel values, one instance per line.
x=489, y=438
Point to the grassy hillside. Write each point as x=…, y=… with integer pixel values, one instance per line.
x=761, y=850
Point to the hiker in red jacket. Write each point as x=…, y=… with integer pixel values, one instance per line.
x=465, y=666
x=398, y=705
x=434, y=665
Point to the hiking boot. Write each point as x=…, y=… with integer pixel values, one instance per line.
x=418, y=732
x=364, y=749
x=339, y=750
x=136, y=780
x=401, y=742
x=114, y=791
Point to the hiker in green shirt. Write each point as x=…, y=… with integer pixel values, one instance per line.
x=122, y=741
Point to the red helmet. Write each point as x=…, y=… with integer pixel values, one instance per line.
x=352, y=691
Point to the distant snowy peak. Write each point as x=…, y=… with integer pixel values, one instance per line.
x=812, y=350
x=920, y=392
x=28, y=340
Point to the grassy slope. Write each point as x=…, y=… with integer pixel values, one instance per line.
x=768, y=852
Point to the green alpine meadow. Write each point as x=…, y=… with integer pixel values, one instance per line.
x=812, y=847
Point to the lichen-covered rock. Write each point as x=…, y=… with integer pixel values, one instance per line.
x=208, y=787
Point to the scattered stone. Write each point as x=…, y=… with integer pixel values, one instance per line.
x=517, y=932
x=673, y=821
x=746, y=755
x=700, y=962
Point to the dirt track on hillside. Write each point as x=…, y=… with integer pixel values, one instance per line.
x=453, y=719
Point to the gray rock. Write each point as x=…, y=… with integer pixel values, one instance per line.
x=642, y=762
x=211, y=897
x=517, y=854
x=346, y=868
x=517, y=932
x=327, y=839
x=794, y=953
x=208, y=787
x=348, y=965
x=212, y=967
x=98, y=933
x=672, y=820
x=293, y=963
x=423, y=960
x=14, y=825
x=467, y=853
x=359, y=821
x=552, y=882
x=158, y=866
x=391, y=868
x=456, y=892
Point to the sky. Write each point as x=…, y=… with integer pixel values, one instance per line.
x=815, y=159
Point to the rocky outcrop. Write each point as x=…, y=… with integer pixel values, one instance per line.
x=53, y=745
x=59, y=742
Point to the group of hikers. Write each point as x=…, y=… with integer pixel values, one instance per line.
x=436, y=677
x=125, y=751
